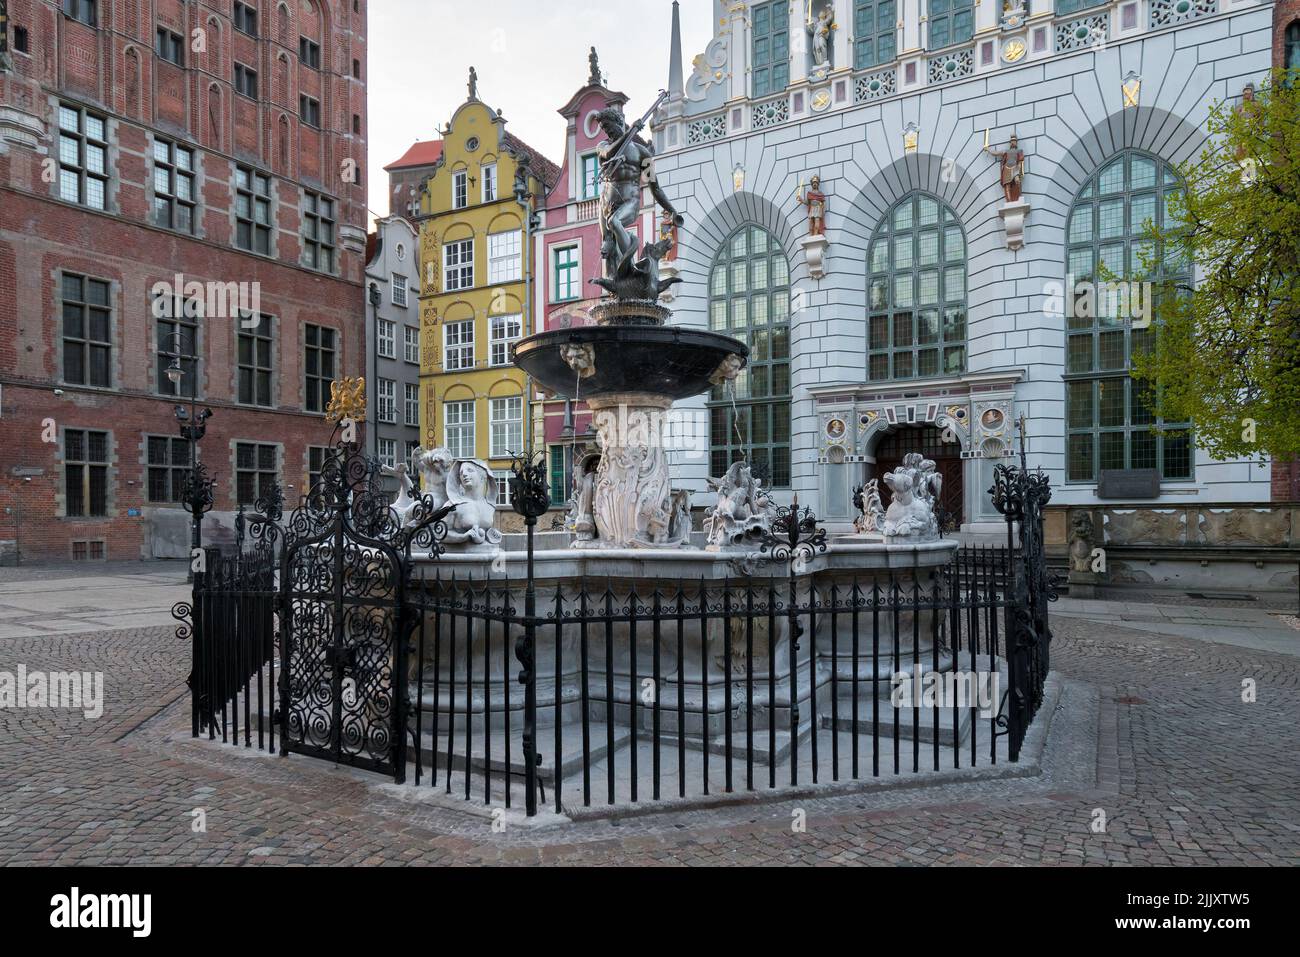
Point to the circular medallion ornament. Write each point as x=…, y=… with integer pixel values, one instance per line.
x=835, y=429
x=820, y=100
x=992, y=420
x=1013, y=50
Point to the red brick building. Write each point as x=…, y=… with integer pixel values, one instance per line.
x=407, y=175
x=220, y=143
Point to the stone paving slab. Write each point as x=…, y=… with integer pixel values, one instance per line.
x=1256, y=628
x=1184, y=771
x=90, y=602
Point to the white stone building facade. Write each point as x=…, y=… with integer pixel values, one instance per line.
x=931, y=314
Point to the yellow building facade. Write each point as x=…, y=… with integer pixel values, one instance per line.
x=475, y=262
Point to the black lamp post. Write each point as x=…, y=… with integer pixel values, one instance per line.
x=193, y=426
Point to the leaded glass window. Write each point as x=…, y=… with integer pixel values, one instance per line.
x=749, y=299
x=1109, y=415
x=875, y=32
x=771, y=47
x=916, y=292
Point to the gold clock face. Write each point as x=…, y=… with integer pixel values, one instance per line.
x=821, y=99
x=1013, y=50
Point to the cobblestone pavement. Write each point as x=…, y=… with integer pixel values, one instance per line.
x=1157, y=737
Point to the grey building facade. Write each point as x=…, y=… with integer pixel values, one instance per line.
x=931, y=314
x=393, y=344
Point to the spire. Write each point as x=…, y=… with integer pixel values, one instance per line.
x=675, y=87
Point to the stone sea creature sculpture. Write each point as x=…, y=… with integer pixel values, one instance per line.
x=866, y=500
x=915, y=487
x=472, y=520
x=433, y=466
x=743, y=512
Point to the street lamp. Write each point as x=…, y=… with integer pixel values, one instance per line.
x=193, y=426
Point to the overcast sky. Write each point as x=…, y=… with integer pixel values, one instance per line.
x=531, y=56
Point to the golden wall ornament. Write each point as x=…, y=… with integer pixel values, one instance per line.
x=347, y=400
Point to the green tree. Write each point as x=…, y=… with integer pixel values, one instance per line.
x=1227, y=353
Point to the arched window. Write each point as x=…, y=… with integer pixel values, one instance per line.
x=1107, y=318
x=1291, y=46
x=749, y=299
x=916, y=292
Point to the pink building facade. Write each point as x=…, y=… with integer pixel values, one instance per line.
x=568, y=258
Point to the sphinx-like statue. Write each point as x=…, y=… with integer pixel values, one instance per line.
x=915, y=487
x=744, y=511
x=472, y=520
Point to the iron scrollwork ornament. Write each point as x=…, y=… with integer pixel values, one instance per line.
x=529, y=496
x=795, y=538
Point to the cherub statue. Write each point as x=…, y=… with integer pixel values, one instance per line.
x=471, y=521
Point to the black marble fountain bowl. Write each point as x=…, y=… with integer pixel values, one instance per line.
x=663, y=360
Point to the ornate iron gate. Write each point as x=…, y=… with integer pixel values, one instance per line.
x=345, y=626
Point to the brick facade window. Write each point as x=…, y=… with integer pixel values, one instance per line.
x=318, y=231
x=245, y=19
x=246, y=81
x=85, y=473
x=170, y=46
x=255, y=351
x=319, y=365
x=316, y=457
x=83, y=157
x=169, y=464
x=83, y=10
x=87, y=331
x=173, y=186
x=309, y=53
x=255, y=470
x=309, y=110
x=252, y=210
x=177, y=330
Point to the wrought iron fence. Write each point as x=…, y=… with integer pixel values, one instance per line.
x=325, y=635
x=697, y=688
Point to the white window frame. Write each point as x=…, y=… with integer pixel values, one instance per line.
x=458, y=349
x=501, y=479
x=502, y=412
x=505, y=265
x=457, y=428
x=388, y=453
x=458, y=265
x=460, y=189
x=584, y=192
x=399, y=290
x=411, y=344
x=411, y=401
x=387, y=398
x=502, y=331
x=386, y=338
x=489, y=182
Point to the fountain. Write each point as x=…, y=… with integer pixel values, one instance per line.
x=631, y=534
